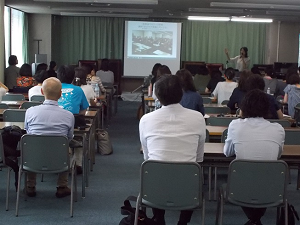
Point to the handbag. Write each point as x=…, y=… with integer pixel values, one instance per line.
x=104, y=145
x=128, y=210
x=292, y=213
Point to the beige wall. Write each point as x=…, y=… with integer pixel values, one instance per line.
x=39, y=27
x=287, y=44
x=2, y=52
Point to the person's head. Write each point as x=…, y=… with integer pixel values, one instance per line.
x=292, y=70
x=41, y=66
x=25, y=70
x=163, y=70
x=245, y=74
x=229, y=73
x=12, y=60
x=168, y=90
x=215, y=74
x=294, y=79
x=255, y=70
x=104, y=65
x=65, y=74
x=155, y=68
x=186, y=80
x=80, y=76
x=51, y=88
x=40, y=76
x=244, y=52
x=91, y=69
x=255, y=104
x=269, y=71
x=255, y=81
x=52, y=65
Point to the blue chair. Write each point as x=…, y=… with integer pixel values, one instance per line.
x=37, y=98
x=14, y=115
x=26, y=105
x=13, y=97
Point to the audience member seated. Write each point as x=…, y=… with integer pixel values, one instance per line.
x=92, y=78
x=166, y=132
x=49, y=119
x=272, y=83
x=11, y=73
x=153, y=80
x=239, y=92
x=255, y=70
x=52, y=69
x=41, y=66
x=216, y=77
x=255, y=81
x=201, y=79
x=254, y=138
x=25, y=79
x=191, y=99
x=224, y=89
x=161, y=71
x=73, y=100
x=80, y=80
x=39, y=78
x=292, y=93
x=106, y=76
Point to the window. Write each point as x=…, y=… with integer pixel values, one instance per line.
x=15, y=40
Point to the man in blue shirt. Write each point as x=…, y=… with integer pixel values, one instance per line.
x=72, y=99
x=49, y=119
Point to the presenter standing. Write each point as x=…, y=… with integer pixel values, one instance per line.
x=241, y=61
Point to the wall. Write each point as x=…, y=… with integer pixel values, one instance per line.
x=39, y=27
x=2, y=53
x=288, y=42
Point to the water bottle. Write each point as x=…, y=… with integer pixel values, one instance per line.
x=97, y=90
x=268, y=91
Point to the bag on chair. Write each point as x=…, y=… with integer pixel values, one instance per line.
x=103, y=142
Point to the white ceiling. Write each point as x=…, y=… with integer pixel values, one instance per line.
x=282, y=10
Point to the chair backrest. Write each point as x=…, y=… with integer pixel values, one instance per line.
x=26, y=105
x=44, y=153
x=206, y=100
x=212, y=109
x=224, y=135
x=297, y=115
x=283, y=123
x=292, y=137
x=37, y=98
x=257, y=184
x=3, y=106
x=14, y=115
x=219, y=121
x=2, y=157
x=207, y=136
x=171, y=185
x=13, y=97
x=224, y=102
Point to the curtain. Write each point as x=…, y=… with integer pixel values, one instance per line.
x=91, y=38
x=25, y=52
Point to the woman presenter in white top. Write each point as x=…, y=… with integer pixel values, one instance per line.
x=241, y=61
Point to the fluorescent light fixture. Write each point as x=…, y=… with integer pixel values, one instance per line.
x=254, y=20
x=214, y=10
x=103, y=15
x=138, y=2
x=208, y=18
x=101, y=9
x=254, y=6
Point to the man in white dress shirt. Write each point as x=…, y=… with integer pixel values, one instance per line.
x=172, y=133
x=254, y=138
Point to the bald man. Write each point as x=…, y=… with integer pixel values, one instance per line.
x=49, y=119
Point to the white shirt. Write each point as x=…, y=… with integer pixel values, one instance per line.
x=2, y=92
x=239, y=65
x=88, y=92
x=224, y=90
x=36, y=90
x=254, y=139
x=173, y=133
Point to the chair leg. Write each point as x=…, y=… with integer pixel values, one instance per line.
x=215, y=184
x=72, y=192
x=18, y=191
x=7, y=187
x=218, y=210
x=203, y=211
x=286, y=212
x=209, y=183
x=137, y=207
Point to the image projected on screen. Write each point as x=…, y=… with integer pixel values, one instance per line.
x=152, y=39
x=152, y=43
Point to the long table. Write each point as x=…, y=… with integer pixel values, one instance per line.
x=214, y=157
